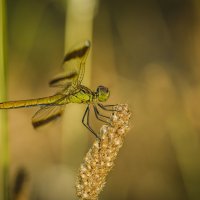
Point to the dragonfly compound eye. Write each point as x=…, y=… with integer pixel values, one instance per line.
x=103, y=93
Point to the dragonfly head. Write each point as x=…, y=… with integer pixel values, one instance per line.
x=103, y=93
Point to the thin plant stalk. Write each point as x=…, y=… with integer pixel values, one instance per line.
x=4, y=158
x=78, y=28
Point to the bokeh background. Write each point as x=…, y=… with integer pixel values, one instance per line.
x=147, y=53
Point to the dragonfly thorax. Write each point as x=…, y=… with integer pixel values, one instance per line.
x=102, y=93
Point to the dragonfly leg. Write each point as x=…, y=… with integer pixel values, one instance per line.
x=87, y=125
x=98, y=115
x=107, y=107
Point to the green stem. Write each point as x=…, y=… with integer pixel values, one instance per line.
x=4, y=159
x=77, y=30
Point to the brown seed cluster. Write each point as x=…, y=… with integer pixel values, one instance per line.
x=100, y=158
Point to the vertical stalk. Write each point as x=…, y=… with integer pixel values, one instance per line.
x=78, y=28
x=4, y=161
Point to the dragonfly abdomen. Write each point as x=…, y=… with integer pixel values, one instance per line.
x=29, y=103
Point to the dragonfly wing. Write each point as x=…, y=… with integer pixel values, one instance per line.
x=63, y=80
x=46, y=115
x=74, y=67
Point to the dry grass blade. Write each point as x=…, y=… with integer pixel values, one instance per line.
x=100, y=158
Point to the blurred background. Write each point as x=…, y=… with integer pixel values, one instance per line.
x=147, y=54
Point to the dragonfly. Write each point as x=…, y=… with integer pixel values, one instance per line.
x=70, y=91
